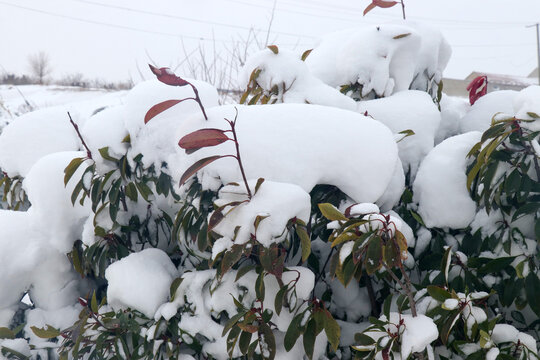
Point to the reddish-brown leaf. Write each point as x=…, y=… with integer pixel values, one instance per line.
x=159, y=108
x=202, y=138
x=166, y=76
x=369, y=8
x=197, y=166
x=384, y=4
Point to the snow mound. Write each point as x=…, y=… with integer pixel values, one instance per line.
x=526, y=105
x=384, y=59
x=275, y=203
x=299, y=144
x=440, y=187
x=452, y=110
x=405, y=110
x=30, y=137
x=52, y=210
x=156, y=138
x=140, y=281
x=479, y=116
x=295, y=83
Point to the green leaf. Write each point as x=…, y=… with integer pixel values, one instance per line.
x=131, y=192
x=174, y=286
x=309, y=338
x=47, y=333
x=373, y=258
x=71, y=168
x=269, y=339
x=244, y=341
x=243, y=271
x=363, y=339
x=533, y=115
x=104, y=152
x=94, y=304
x=438, y=293
x=496, y=265
x=332, y=329
x=293, y=332
x=305, y=241
x=532, y=289
x=232, y=321
x=6, y=333
x=278, y=301
x=330, y=212
x=259, y=286
x=344, y=237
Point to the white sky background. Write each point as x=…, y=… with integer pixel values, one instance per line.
x=108, y=42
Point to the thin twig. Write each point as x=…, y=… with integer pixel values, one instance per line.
x=403, y=9
x=88, y=152
x=235, y=139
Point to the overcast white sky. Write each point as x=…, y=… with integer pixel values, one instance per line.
x=108, y=38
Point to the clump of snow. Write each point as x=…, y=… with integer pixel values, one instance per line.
x=480, y=114
x=507, y=333
x=300, y=144
x=44, y=132
x=452, y=110
x=140, y=281
x=207, y=296
x=384, y=59
x=440, y=186
x=351, y=302
x=96, y=138
x=20, y=251
x=420, y=331
x=369, y=56
x=51, y=208
x=407, y=110
x=19, y=345
x=156, y=139
x=363, y=208
x=527, y=103
x=275, y=203
x=286, y=71
x=60, y=318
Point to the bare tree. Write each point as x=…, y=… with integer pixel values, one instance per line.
x=40, y=66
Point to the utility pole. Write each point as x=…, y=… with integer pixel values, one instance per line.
x=537, y=25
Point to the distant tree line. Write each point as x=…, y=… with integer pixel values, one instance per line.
x=40, y=69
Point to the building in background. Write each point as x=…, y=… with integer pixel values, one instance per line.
x=456, y=87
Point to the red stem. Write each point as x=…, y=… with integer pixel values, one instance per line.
x=88, y=152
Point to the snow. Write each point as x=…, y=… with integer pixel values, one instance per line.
x=420, y=331
x=51, y=208
x=207, y=296
x=480, y=114
x=277, y=203
x=44, y=132
x=140, y=281
x=507, y=333
x=407, y=110
x=452, y=110
x=156, y=140
x=292, y=77
x=19, y=345
x=440, y=186
x=384, y=59
x=342, y=148
x=369, y=56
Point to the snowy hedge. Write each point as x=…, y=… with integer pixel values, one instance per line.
x=345, y=208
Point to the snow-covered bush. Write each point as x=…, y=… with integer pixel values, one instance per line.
x=299, y=224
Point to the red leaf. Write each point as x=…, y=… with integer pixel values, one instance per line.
x=384, y=4
x=477, y=88
x=159, y=108
x=369, y=8
x=166, y=76
x=198, y=166
x=202, y=138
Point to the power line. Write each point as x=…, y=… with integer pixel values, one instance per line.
x=186, y=18
x=124, y=27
